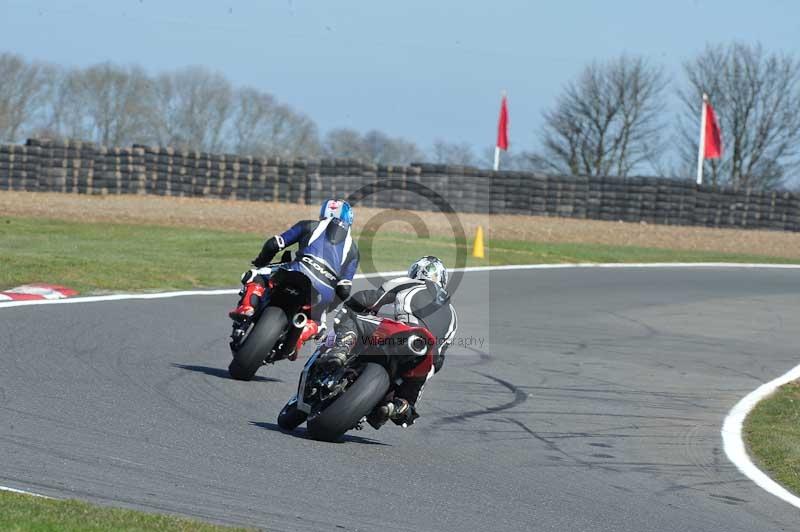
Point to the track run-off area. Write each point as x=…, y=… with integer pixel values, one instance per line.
x=574, y=398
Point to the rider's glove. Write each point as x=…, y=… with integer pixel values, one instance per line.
x=271, y=247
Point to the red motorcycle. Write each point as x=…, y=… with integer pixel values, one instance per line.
x=335, y=399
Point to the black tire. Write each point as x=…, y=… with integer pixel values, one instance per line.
x=356, y=402
x=238, y=372
x=248, y=358
x=290, y=417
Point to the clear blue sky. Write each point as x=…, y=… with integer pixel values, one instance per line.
x=421, y=70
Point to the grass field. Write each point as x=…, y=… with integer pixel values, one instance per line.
x=266, y=218
x=772, y=433
x=25, y=513
x=101, y=257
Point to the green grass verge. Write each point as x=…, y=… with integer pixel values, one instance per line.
x=95, y=258
x=772, y=433
x=23, y=512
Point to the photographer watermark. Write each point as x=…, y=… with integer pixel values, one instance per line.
x=404, y=188
x=402, y=341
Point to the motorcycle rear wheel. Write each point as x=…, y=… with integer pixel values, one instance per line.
x=355, y=402
x=250, y=355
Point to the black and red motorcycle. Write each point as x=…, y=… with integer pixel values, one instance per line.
x=273, y=332
x=332, y=399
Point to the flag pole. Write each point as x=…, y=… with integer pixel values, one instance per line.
x=701, y=147
x=496, y=158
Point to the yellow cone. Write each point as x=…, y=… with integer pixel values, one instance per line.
x=477, y=246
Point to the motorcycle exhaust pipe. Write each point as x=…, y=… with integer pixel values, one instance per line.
x=417, y=345
x=299, y=320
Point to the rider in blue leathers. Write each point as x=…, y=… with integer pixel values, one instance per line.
x=327, y=255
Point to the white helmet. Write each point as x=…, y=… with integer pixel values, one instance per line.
x=430, y=268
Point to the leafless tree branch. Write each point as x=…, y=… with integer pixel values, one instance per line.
x=25, y=91
x=606, y=122
x=756, y=96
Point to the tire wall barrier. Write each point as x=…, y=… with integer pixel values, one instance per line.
x=86, y=168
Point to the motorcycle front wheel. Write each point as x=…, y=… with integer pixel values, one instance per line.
x=354, y=403
x=290, y=417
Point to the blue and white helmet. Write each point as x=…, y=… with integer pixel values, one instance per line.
x=334, y=208
x=430, y=268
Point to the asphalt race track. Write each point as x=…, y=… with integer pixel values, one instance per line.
x=594, y=403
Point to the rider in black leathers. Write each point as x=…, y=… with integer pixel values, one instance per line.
x=419, y=299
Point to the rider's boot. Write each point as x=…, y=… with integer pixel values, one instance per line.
x=310, y=330
x=337, y=355
x=397, y=408
x=253, y=292
x=323, y=326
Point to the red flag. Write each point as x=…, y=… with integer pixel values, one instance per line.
x=713, y=135
x=502, y=126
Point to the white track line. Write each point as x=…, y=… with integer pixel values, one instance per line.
x=731, y=429
x=734, y=444
x=117, y=297
x=23, y=492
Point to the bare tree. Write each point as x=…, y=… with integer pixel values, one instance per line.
x=346, y=143
x=453, y=153
x=383, y=149
x=261, y=126
x=606, y=122
x=511, y=160
x=25, y=90
x=374, y=146
x=105, y=103
x=756, y=97
x=192, y=108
